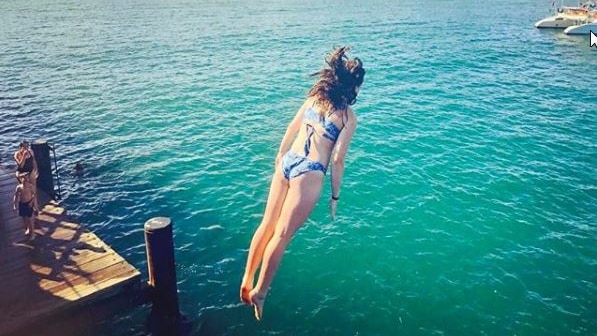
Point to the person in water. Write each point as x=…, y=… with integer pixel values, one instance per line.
x=319, y=133
x=78, y=170
x=25, y=201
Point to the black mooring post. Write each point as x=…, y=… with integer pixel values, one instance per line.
x=165, y=317
x=45, y=182
x=160, y=263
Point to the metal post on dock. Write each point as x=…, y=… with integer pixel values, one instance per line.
x=165, y=317
x=45, y=182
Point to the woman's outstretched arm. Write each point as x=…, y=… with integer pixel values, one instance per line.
x=338, y=159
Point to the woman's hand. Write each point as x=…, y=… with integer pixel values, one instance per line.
x=333, y=205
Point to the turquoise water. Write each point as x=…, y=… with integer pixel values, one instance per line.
x=470, y=197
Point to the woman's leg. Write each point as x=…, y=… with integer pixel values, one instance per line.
x=264, y=232
x=302, y=195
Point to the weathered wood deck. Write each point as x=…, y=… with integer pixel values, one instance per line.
x=65, y=268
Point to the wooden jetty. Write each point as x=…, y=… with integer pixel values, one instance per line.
x=64, y=269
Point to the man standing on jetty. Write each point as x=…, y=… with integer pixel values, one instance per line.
x=26, y=200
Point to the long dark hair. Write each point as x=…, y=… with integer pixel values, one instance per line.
x=338, y=81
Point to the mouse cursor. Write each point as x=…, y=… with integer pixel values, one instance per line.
x=593, y=41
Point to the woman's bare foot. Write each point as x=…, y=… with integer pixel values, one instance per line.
x=245, y=287
x=257, y=301
x=244, y=294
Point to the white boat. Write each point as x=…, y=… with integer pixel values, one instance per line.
x=583, y=29
x=557, y=21
x=568, y=16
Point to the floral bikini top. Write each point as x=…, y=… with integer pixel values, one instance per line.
x=331, y=131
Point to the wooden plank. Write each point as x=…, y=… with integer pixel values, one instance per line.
x=59, y=266
x=85, y=269
x=89, y=275
x=42, y=220
x=76, y=253
x=63, y=229
x=69, y=294
x=94, y=273
x=42, y=244
x=67, y=266
x=94, y=280
x=53, y=210
x=84, y=297
x=12, y=222
x=101, y=271
x=10, y=183
x=20, y=245
x=6, y=179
